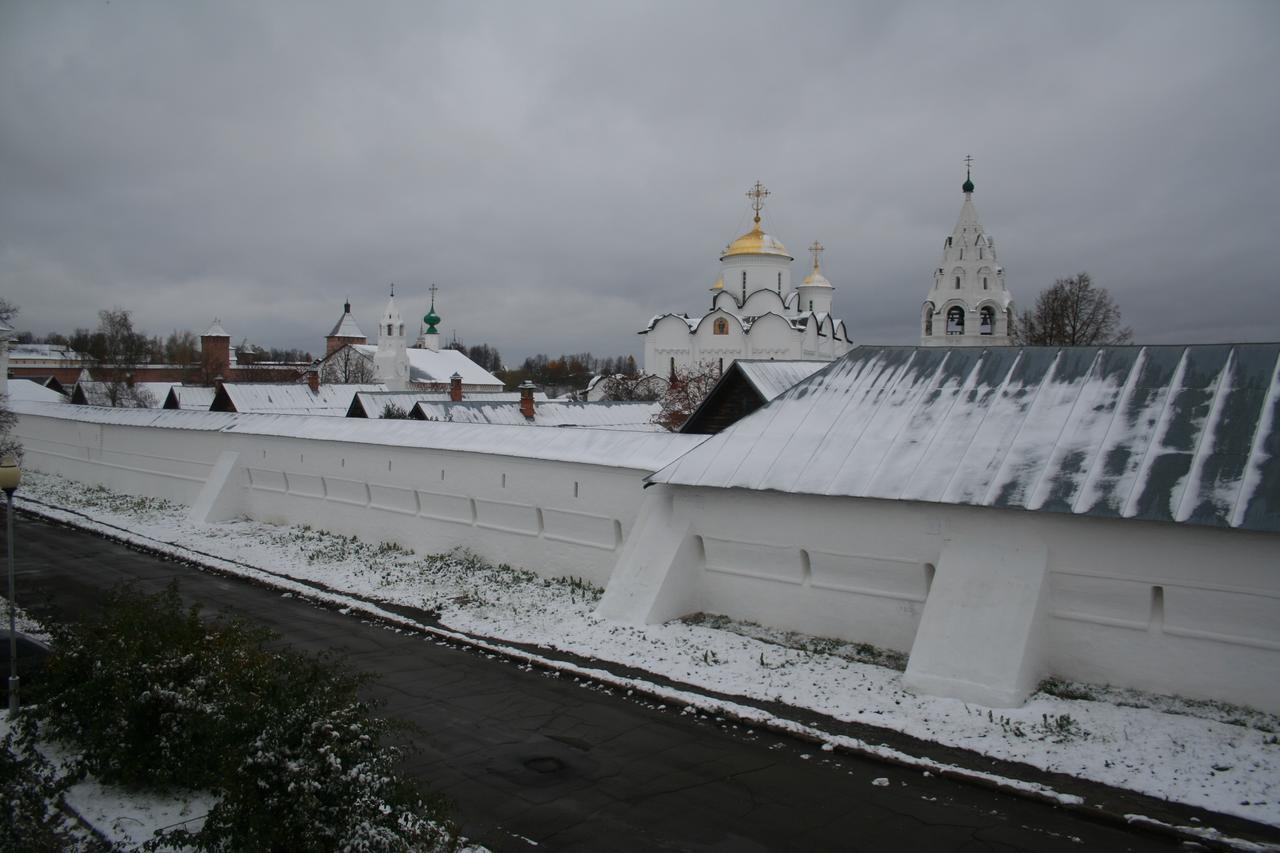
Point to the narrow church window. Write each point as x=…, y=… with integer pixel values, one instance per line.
x=722, y=365
x=955, y=320
x=984, y=282
x=957, y=282
x=744, y=281
x=962, y=254
x=986, y=321
x=810, y=304
x=779, y=282
x=979, y=253
x=928, y=320
x=720, y=326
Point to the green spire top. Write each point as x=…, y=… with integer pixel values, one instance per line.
x=432, y=319
x=968, y=179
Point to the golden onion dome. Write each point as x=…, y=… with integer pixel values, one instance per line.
x=719, y=285
x=756, y=242
x=816, y=279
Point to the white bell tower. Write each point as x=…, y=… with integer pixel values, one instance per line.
x=391, y=361
x=969, y=304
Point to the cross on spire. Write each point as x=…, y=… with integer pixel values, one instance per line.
x=433, y=290
x=758, y=194
x=817, y=249
x=968, y=165
x=393, y=288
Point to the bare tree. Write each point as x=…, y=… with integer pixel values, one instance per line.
x=8, y=420
x=182, y=348
x=686, y=389
x=1072, y=313
x=348, y=366
x=8, y=444
x=622, y=387
x=117, y=351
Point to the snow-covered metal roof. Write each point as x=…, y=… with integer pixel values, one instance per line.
x=290, y=398
x=640, y=451
x=371, y=404
x=771, y=378
x=160, y=418
x=143, y=395
x=346, y=327
x=44, y=352
x=33, y=392
x=426, y=365
x=194, y=397
x=215, y=330
x=1186, y=434
x=595, y=415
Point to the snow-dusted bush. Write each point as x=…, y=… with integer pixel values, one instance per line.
x=152, y=695
x=156, y=697
x=29, y=786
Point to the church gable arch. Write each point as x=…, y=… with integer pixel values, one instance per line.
x=729, y=324
x=763, y=302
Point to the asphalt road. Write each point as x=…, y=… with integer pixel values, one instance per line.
x=528, y=758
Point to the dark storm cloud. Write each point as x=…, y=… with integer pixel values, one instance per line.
x=565, y=171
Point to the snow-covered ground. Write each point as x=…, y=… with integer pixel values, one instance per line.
x=127, y=819
x=1217, y=757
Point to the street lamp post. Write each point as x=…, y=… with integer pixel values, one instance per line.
x=10, y=476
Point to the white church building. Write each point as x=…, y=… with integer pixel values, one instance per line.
x=969, y=304
x=755, y=311
x=425, y=366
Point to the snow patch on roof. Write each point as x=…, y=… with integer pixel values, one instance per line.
x=293, y=398
x=771, y=378
x=32, y=392
x=595, y=415
x=437, y=366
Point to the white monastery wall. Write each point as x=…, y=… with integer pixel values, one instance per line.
x=553, y=517
x=1139, y=604
x=1171, y=608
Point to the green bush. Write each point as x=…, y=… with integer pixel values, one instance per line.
x=156, y=697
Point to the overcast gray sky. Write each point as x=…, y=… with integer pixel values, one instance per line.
x=563, y=171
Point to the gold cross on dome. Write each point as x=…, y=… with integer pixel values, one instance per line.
x=758, y=194
x=968, y=163
x=433, y=290
x=817, y=249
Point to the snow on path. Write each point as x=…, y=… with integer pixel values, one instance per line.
x=1214, y=757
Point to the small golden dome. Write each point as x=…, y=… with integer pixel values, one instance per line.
x=816, y=279
x=719, y=285
x=756, y=242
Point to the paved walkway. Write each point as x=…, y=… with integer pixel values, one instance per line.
x=529, y=758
